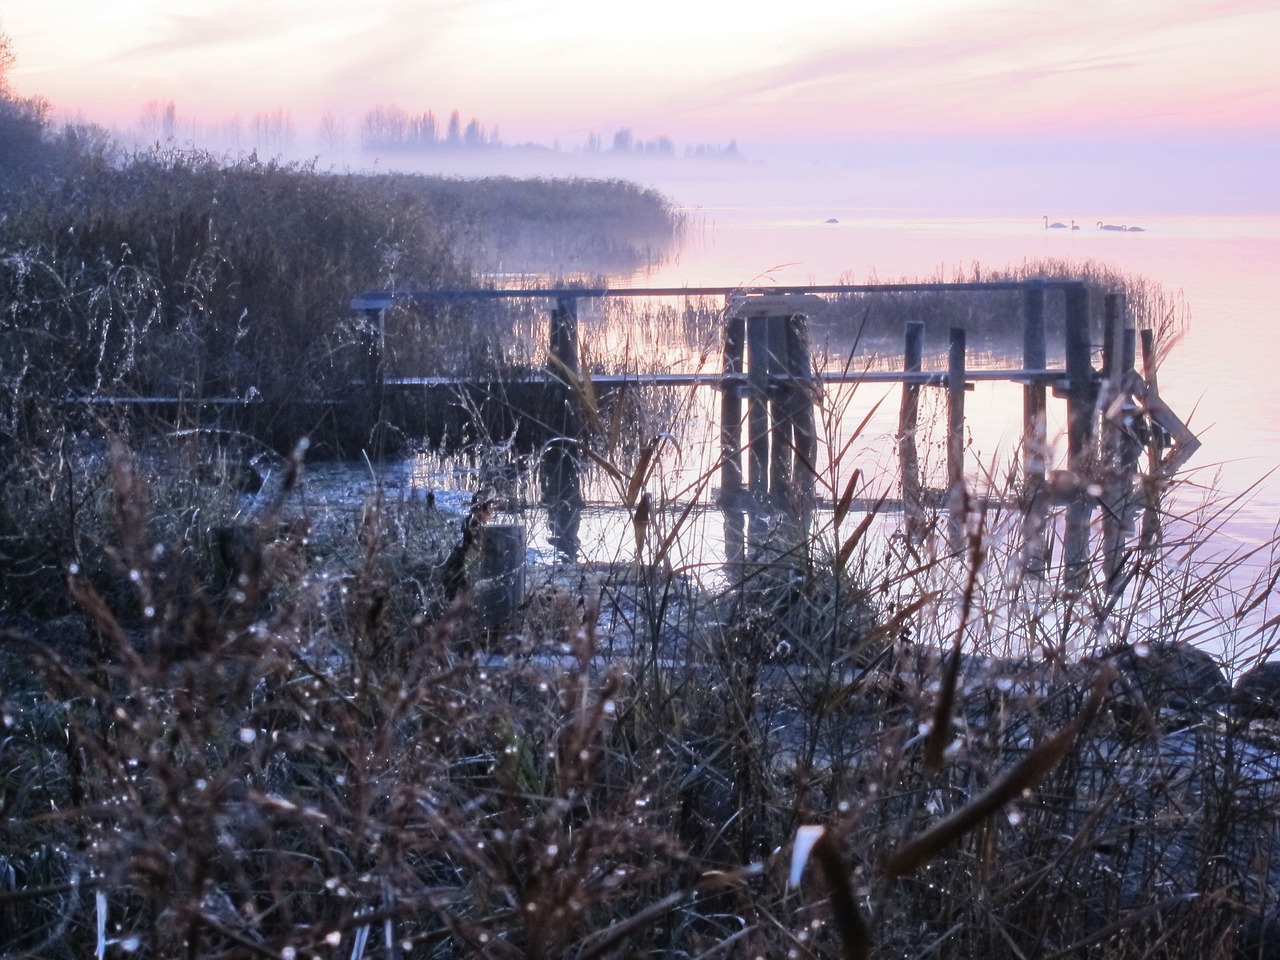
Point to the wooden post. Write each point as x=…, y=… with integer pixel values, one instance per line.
x=1113, y=309
x=908, y=424
x=802, y=390
x=955, y=409
x=1121, y=444
x=1151, y=523
x=1034, y=430
x=735, y=333
x=1034, y=357
x=1080, y=377
x=780, y=436
x=1080, y=414
x=955, y=436
x=735, y=341
x=1075, y=544
x=757, y=406
x=563, y=362
x=561, y=486
x=502, y=564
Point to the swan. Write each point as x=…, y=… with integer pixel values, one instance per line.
x=1135, y=230
x=1109, y=226
x=1053, y=226
x=1074, y=225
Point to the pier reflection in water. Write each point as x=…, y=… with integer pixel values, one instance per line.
x=770, y=386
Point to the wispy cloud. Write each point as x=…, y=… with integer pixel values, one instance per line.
x=980, y=56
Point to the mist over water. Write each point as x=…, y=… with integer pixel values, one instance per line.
x=1219, y=378
x=1211, y=234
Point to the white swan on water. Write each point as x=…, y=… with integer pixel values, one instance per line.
x=1110, y=226
x=1053, y=226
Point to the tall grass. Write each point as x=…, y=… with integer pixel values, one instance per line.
x=176, y=275
x=247, y=724
x=306, y=750
x=994, y=320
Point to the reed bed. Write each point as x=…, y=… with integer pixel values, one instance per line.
x=176, y=275
x=249, y=726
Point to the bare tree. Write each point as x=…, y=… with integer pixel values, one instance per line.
x=158, y=123
x=333, y=134
x=274, y=131
x=6, y=62
x=383, y=126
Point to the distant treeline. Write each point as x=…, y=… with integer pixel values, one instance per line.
x=393, y=128
x=390, y=128
x=180, y=274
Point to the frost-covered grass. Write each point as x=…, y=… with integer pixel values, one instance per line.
x=271, y=732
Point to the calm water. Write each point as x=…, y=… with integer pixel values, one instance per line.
x=1221, y=378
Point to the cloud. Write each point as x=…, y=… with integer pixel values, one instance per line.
x=997, y=57
x=396, y=41
x=231, y=23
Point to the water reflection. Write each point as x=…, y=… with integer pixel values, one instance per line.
x=560, y=485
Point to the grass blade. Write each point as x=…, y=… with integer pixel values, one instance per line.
x=1023, y=775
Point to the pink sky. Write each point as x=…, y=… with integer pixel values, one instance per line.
x=756, y=71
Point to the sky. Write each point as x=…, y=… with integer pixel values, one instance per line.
x=1195, y=71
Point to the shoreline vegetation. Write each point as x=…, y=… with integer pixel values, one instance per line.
x=238, y=722
x=174, y=275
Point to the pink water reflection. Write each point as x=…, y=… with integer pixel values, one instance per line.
x=1222, y=378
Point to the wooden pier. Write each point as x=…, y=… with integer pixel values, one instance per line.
x=769, y=389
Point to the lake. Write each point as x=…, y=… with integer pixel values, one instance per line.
x=1221, y=377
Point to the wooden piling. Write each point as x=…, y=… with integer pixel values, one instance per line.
x=1152, y=526
x=955, y=410
x=955, y=437
x=500, y=591
x=1112, y=335
x=1080, y=379
x=1034, y=405
x=780, y=424
x=560, y=482
x=1034, y=439
x=908, y=424
x=1080, y=414
x=735, y=334
x=802, y=395
x=1075, y=544
x=735, y=342
x=563, y=362
x=1121, y=442
x=757, y=406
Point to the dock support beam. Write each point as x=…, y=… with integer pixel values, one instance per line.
x=955, y=437
x=1081, y=390
x=1034, y=434
x=561, y=485
x=757, y=407
x=908, y=425
x=735, y=345
x=1121, y=440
